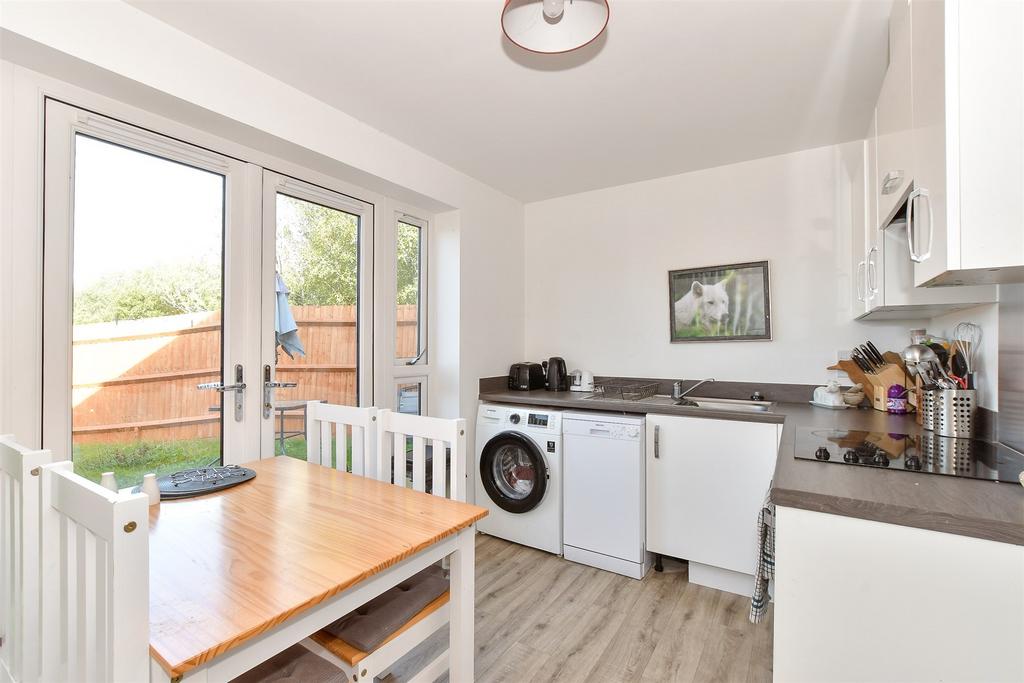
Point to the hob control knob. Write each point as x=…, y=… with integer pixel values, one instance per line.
x=822, y=453
x=850, y=456
x=912, y=463
x=881, y=460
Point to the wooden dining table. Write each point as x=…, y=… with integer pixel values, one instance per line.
x=240, y=575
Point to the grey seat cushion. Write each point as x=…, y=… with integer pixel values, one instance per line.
x=370, y=625
x=294, y=665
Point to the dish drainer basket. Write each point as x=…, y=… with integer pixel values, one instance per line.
x=626, y=390
x=949, y=412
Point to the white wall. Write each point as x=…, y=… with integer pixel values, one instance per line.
x=597, y=270
x=112, y=48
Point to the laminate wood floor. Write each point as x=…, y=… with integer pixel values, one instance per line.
x=541, y=618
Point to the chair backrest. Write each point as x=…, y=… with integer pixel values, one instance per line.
x=95, y=578
x=20, y=470
x=353, y=431
x=396, y=430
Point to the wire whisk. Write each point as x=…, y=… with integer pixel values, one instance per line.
x=966, y=339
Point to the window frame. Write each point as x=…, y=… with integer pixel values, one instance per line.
x=421, y=361
x=423, y=381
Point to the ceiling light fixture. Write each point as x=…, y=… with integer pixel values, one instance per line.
x=553, y=26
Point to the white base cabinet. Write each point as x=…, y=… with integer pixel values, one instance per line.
x=706, y=482
x=857, y=600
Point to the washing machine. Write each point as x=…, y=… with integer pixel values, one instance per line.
x=519, y=474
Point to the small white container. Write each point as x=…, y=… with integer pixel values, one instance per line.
x=151, y=488
x=109, y=481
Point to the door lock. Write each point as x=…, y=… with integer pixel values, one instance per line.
x=238, y=388
x=268, y=387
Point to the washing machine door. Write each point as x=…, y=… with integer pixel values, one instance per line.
x=513, y=472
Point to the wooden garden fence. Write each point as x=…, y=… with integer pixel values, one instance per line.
x=137, y=379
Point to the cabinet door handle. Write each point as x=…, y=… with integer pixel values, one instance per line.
x=923, y=193
x=871, y=275
x=861, y=278
x=657, y=441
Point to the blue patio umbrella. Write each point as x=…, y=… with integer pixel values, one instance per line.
x=285, y=330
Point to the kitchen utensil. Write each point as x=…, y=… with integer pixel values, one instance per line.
x=866, y=355
x=949, y=412
x=959, y=364
x=875, y=353
x=557, y=376
x=941, y=353
x=861, y=361
x=966, y=339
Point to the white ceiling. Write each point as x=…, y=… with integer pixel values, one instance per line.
x=671, y=87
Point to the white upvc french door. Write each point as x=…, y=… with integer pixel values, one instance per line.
x=151, y=268
x=317, y=307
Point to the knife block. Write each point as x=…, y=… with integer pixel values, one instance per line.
x=876, y=384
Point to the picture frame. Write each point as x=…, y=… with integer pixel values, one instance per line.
x=730, y=302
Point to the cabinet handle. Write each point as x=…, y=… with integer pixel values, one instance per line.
x=657, y=441
x=861, y=289
x=871, y=275
x=892, y=181
x=919, y=192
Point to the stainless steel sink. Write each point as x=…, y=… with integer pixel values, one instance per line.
x=715, y=403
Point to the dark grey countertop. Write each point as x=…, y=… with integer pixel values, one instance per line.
x=968, y=507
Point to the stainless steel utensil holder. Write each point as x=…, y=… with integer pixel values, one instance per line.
x=949, y=412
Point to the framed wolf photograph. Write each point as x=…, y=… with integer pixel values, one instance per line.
x=720, y=303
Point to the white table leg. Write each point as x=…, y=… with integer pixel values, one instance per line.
x=461, y=646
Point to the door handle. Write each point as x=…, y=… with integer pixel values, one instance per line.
x=861, y=290
x=911, y=230
x=871, y=275
x=268, y=387
x=238, y=388
x=657, y=441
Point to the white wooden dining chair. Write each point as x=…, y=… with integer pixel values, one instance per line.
x=327, y=423
x=398, y=628
x=20, y=470
x=95, y=580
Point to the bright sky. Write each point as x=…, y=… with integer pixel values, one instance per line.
x=134, y=211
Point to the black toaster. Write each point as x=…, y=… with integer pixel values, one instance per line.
x=525, y=376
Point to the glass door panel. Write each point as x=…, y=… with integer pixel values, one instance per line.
x=148, y=247
x=145, y=270
x=317, y=309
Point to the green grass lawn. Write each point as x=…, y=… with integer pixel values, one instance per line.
x=130, y=461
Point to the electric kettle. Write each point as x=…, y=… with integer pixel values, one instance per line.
x=557, y=376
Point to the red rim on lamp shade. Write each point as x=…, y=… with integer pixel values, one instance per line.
x=581, y=22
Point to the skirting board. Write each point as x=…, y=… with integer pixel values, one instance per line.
x=633, y=570
x=721, y=579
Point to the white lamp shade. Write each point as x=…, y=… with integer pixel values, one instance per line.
x=582, y=21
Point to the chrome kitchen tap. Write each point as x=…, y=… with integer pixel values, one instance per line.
x=680, y=396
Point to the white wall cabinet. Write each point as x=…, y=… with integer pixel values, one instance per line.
x=894, y=119
x=706, y=482
x=966, y=209
x=943, y=607
x=883, y=271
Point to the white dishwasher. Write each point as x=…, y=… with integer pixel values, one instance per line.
x=603, y=492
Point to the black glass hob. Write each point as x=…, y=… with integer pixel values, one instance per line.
x=926, y=452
